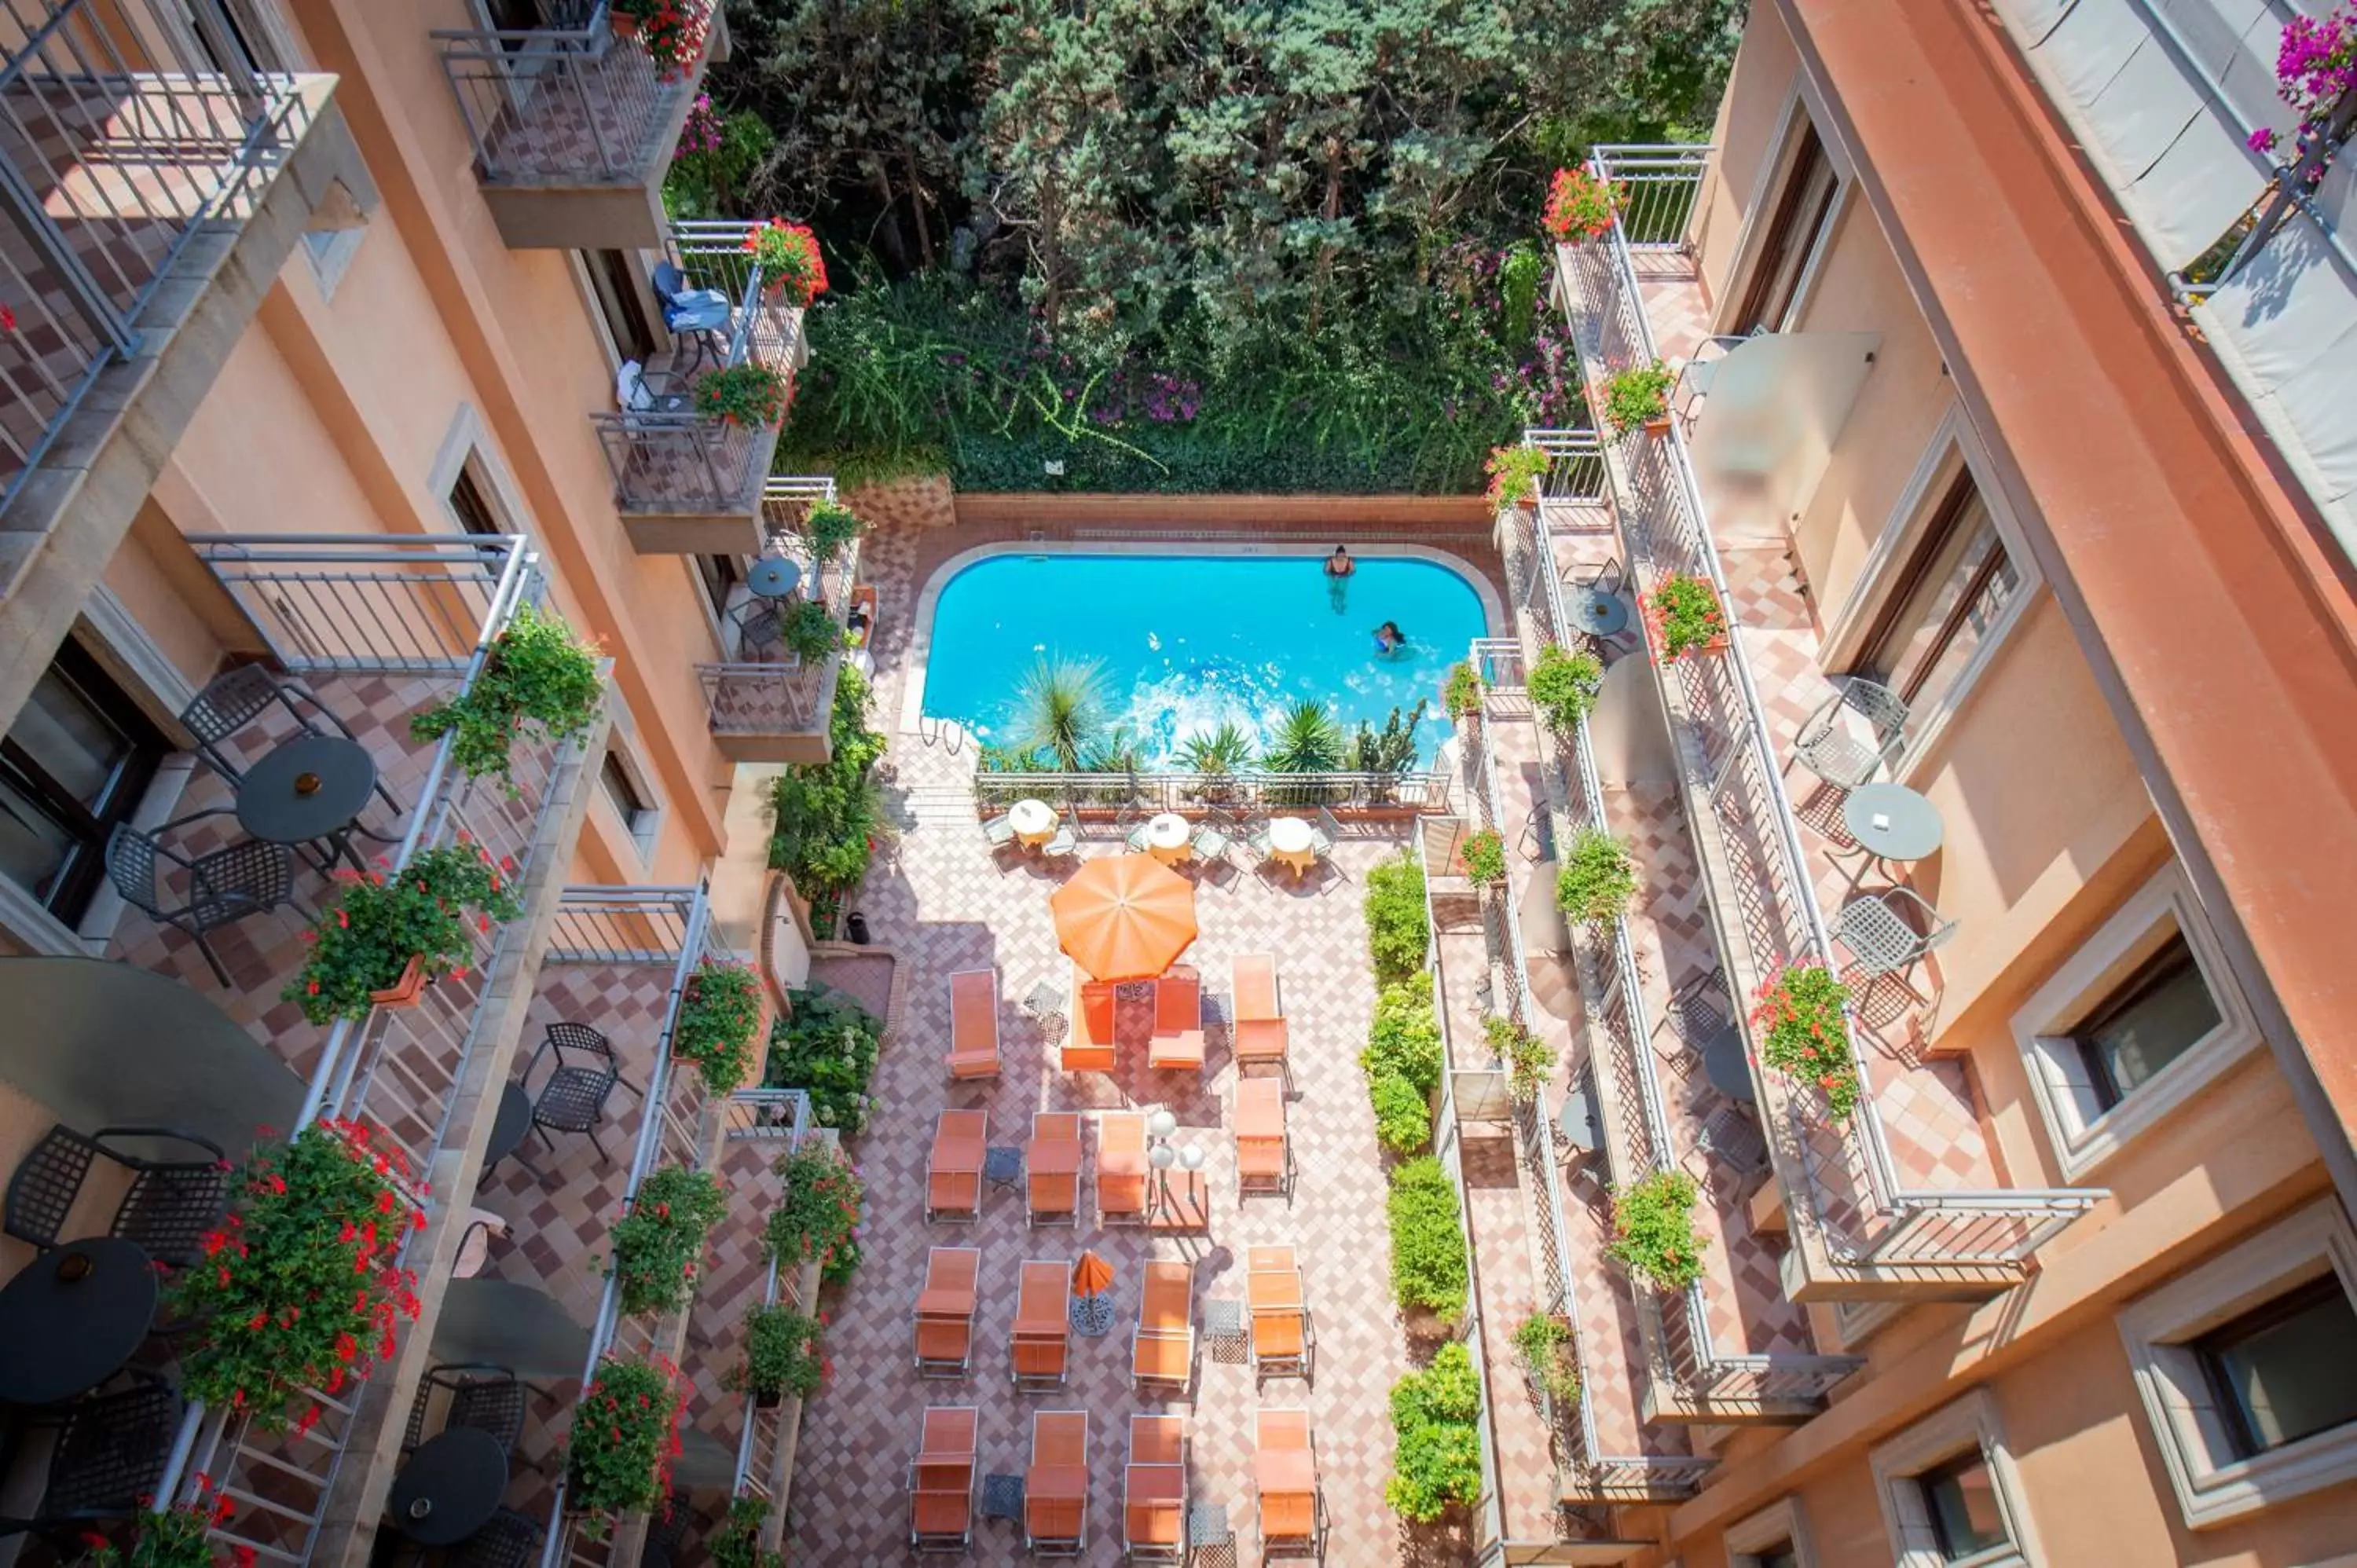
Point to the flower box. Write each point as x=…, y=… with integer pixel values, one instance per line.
x=1683, y=616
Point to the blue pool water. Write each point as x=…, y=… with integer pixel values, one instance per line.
x=1184, y=642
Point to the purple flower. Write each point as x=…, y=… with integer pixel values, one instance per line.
x=2262, y=140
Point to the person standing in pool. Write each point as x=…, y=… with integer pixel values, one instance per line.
x=1338, y=567
x=1339, y=564
x=1389, y=638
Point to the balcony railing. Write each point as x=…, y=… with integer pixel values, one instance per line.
x=1840, y=1181
x=776, y=710
x=331, y=606
x=127, y=130
x=703, y=476
x=1103, y=794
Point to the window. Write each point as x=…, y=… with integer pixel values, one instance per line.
x=2132, y=1024
x=2286, y=1370
x=1946, y=600
x=616, y=283
x=1775, y=1536
x=1948, y=1491
x=720, y=575
x=74, y=765
x=2159, y=1011
x=1960, y=1498
x=513, y=16
x=1779, y=1554
x=2247, y=1367
x=622, y=791
x=467, y=503
x=1794, y=228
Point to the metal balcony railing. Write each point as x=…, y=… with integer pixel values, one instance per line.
x=330, y=607
x=1244, y=792
x=1852, y=1195
x=786, y=696
x=572, y=102
x=672, y=459
x=127, y=130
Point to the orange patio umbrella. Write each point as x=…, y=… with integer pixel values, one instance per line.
x=1092, y=1275
x=1125, y=917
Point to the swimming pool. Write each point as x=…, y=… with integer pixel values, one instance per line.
x=1184, y=643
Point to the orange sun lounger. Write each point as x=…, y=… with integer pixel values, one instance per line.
x=1263, y=1157
x=1281, y=1334
x=1259, y=1024
x=1162, y=1351
x=953, y=1168
x=1154, y=1491
x=1042, y=1344
x=1177, y=1042
x=1051, y=1167
x=1089, y=1036
x=1055, y=1486
x=1285, y=1480
x=973, y=1024
x=1121, y=1168
x=942, y=1480
x=945, y=1310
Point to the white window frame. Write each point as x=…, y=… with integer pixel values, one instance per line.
x=1955, y=448
x=1801, y=103
x=467, y=444
x=646, y=827
x=1780, y=1522
x=2084, y=1136
x=2215, y=1486
x=1955, y=1429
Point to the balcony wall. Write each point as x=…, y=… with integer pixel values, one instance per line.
x=159, y=196
x=766, y=703
x=573, y=124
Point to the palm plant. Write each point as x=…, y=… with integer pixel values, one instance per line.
x=1216, y=753
x=1060, y=709
x=1116, y=752
x=1307, y=740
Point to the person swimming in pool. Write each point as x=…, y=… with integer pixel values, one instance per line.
x=1339, y=564
x=1389, y=638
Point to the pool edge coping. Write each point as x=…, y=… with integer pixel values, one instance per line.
x=919, y=660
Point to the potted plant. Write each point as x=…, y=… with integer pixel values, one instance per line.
x=1597, y=878
x=1544, y=1343
x=1803, y=1034
x=735, y=1542
x=1436, y=1445
x=299, y=1287
x=658, y=1243
x=1578, y=206
x=1513, y=471
x=1461, y=696
x=1653, y=1230
x=1528, y=1060
x=1682, y=617
x=176, y=1537
x=809, y=632
x=781, y=1356
x=719, y=1017
x=1563, y=686
x=539, y=684
x=387, y=936
x=1483, y=854
x=671, y=31
x=625, y=1435
x=788, y=255
x=1639, y=395
x=750, y=395
x=829, y=526
x=816, y=1220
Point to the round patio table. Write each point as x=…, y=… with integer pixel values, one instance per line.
x=306, y=788
x=450, y=1488
x=1168, y=835
x=1723, y=1064
x=1601, y=613
x=508, y=1127
x=71, y=1317
x=773, y=578
x=1891, y=821
x=1291, y=841
x=1578, y=1120
x=1033, y=820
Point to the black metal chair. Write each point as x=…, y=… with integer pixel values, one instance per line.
x=110, y=1452
x=238, y=697
x=511, y=1540
x=480, y=1395
x=171, y=1206
x=225, y=885
x=574, y=1097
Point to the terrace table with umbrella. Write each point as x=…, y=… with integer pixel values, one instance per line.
x=1091, y=1309
x=1124, y=918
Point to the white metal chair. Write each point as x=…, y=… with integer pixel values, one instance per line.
x=1830, y=744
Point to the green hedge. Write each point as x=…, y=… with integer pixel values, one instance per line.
x=1428, y=1262
x=1398, y=938
x=1436, y=1415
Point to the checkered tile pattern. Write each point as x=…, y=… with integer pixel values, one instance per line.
x=600, y=119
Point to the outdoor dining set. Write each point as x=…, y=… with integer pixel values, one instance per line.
x=1124, y=921
x=1297, y=843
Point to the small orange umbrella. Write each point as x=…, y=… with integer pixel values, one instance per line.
x=1092, y=1275
x=1125, y=917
